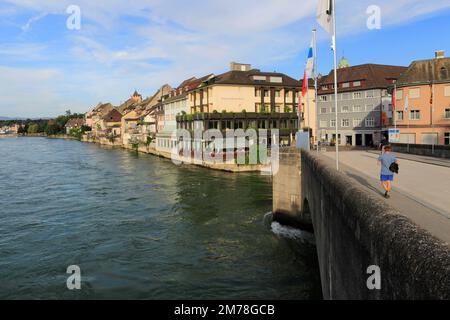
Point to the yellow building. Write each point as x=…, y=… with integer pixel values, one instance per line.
x=250, y=90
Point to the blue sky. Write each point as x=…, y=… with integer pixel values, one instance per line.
x=45, y=68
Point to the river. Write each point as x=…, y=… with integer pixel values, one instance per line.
x=140, y=227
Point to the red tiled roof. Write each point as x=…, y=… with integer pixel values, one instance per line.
x=113, y=116
x=372, y=76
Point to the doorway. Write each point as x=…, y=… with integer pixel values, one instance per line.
x=358, y=139
x=369, y=140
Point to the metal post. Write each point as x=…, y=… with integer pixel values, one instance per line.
x=335, y=83
x=315, y=87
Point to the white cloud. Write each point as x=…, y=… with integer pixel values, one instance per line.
x=190, y=37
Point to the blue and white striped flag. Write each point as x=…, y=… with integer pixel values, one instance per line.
x=310, y=62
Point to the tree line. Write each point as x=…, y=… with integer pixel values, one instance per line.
x=45, y=126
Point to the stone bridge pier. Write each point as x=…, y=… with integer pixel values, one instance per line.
x=356, y=232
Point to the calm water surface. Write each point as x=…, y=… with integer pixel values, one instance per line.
x=140, y=227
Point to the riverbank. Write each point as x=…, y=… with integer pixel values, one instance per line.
x=227, y=167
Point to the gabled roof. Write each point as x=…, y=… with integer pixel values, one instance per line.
x=102, y=109
x=135, y=114
x=426, y=71
x=372, y=76
x=113, y=116
x=127, y=106
x=75, y=122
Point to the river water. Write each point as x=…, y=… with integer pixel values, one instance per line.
x=140, y=227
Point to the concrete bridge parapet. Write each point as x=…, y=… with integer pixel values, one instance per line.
x=355, y=230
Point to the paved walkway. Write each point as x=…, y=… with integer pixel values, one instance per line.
x=421, y=190
x=424, y=159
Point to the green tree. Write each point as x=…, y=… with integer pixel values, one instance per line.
x=33, y=128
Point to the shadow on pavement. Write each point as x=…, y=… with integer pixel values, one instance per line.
x=365, y=183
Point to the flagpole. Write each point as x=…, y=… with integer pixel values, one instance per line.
x=394, y=109
x=335, y=82
x=315, y=87
x=407, y=114
x=307, y=100
x=432, y=113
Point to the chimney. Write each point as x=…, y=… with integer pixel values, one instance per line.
x=440, y=54
x=234, y=66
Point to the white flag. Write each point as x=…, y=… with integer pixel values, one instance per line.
x=310, y=68
x=325, y=15
x=406, y=104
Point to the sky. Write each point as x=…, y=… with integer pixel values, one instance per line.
x=47, y=67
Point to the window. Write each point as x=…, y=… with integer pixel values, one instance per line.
x=345, y=109
x=346, y=85
x=214, y=124
x=278, y=93
x=369, y=107
x=323, y=110
x=226, y=125
x=257, y=93
x=357, y=95
x=399, y=115
x=266, y=93
x=323, y=123
x=276, y=79
x=357, y=122
x=414, y=115
x=259, y=78
x=345, y=122
x=357, y=109
x=369, y=94
x=370, y=122
x=333, y=123
x=399, y=95
x=357, y=83
x=333, y=110
x=414, y=93
x=273, y=124
x=447, y=113
x=447, y=91
x=447, y=138
x=323, y=98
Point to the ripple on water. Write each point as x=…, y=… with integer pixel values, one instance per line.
x=140, y=227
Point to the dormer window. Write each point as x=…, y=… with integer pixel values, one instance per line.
x=259, y=78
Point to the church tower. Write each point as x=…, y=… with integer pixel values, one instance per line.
x=136, y=97
x=343, y=63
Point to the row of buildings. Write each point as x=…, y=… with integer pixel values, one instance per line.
x=245, y=98
x=9, y=129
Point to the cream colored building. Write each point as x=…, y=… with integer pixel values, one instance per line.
x=250, y=90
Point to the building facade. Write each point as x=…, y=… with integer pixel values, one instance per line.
x=250, y=90
x=174, y=104
x=364, y=104
x=425, y=119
